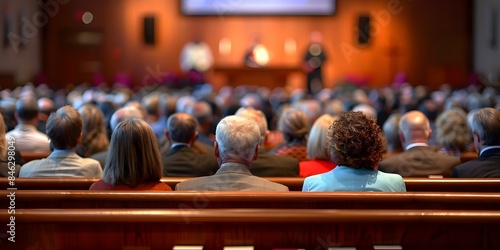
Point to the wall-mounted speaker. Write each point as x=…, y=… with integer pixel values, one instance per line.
x=149, y=30
x=363, y=29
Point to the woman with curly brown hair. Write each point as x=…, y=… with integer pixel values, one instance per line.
x=355, y=144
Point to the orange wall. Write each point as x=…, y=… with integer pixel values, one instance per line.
x=431, y=40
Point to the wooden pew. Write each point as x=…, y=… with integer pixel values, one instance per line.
x=293, y=183
x=225, y=199
x=261, y=228
x=29, y=156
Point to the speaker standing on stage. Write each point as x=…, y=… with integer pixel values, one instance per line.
x=313, y=62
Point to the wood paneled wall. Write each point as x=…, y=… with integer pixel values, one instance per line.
x=429, y=40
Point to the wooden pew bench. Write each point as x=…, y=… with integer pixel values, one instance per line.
x=293, y=183
x=29, y=156
x=226, y=199
x=261, y=228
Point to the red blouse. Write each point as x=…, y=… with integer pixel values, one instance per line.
x=152, y=186
x=314, y=167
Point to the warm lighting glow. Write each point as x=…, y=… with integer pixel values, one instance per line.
x=290, y=46
x=261, y=55
x=87, y=17
x=225, y=46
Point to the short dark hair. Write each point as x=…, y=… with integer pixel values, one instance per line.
x=27, y=108
x=182, y=127
x=64, y=127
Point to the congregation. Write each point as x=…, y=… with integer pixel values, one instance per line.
x=346, y=138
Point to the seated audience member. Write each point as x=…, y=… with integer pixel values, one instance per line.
x=294, y=126
x=431, y=110
x=452, y=132
x=132, y=165
x=366, y=110
x=120, y=115
x=268, y=165
x=202, y=111
x=182, y=159
x=355, y=144
x=9, y=162
x=236, y=147
x=94, y=138
x=45, y=108
x=27, y=137
x=485, y=126
x=64, y=128
x=311, y=107
x=391, y=134
x=418, y=159
x=334, y=107
x=166, y=107
x=316, y=149
x=150, y=102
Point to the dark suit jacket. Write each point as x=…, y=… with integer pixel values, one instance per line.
x=100, y=157
x=184, y=161
x=419, y=162
x=268, y=165
x=487, y=165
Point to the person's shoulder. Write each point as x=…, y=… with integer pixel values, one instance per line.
x=467, y=165
x=89, y=162
x=269, y=184
x=100, y=185
x=34, y=163
x=160, y=186
x=315, y=178
x=285, y=160
x=392, y=176
x=192, y=183
x=29, y=168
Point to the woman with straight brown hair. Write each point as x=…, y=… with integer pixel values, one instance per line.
x=134, y=161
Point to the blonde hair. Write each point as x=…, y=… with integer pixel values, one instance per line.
x=452, y=129
x=317, y=146
x=294, y=125
x=3, y=140
x=134, y=157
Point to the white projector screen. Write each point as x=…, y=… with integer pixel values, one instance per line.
x=258, y=7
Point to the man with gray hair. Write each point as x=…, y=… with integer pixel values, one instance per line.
x=236, y=147
x=485, y=127
x=268, y=165
x=183, y=159
x=418, y=159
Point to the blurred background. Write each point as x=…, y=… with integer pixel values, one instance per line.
x=136, y=42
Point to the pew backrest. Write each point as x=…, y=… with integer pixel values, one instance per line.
x=293, y=183
x=234, y=199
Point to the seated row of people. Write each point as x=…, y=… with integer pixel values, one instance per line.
x=414, y=131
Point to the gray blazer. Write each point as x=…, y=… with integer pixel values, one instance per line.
x=230, y=177
x=62, y=164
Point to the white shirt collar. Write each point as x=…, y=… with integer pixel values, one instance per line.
x=418, y=144
x=487, y=148
x=175, y=144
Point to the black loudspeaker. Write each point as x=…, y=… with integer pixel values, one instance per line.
x=363, y=29
x=149, y=30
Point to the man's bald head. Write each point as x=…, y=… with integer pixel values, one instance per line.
x=414, y=127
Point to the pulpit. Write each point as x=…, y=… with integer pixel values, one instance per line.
x=269, y=76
